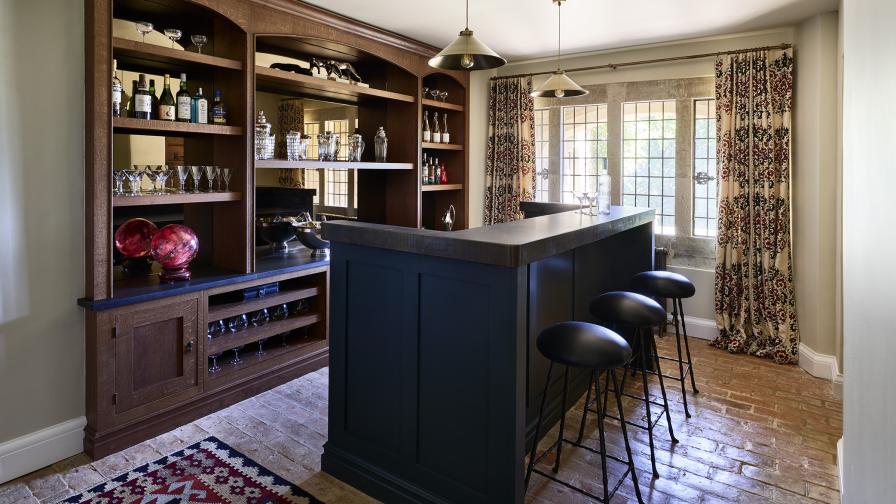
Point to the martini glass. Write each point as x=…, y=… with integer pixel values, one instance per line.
x=174, y=34
x=143, y=27
x=196, y=173
x=119, y=176
x=435, y=94
x=153, y=177
x=225, y=176
x=199, y=41
x=162, y=172
x=425, y=92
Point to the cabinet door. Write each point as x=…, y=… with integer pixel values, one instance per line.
x=156, y=354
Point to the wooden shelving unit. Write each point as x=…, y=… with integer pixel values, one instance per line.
x=427, y=103
x=253, y=334
x=442, y=187
x=175, y=199
x=223, y=311
x=269, y=79
x=339, y=165
x=443, y=146
x=274, y=356
x=165, y=128
x=154, y=57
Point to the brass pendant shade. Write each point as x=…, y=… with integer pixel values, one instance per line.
x=559, y=85
x=466, y=53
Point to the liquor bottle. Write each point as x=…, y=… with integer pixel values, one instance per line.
x=436, y=132
x=199, y=111
x=444, y=179
x=219, y=113
x=432, y=171
x=184, y=101
x=445, y=135
x=131, y=103
x=437, y=179
x=424, y=171
x=427, y=135
x=167, y=105
x=142, y=99
x=154, y=111
x=116, y=91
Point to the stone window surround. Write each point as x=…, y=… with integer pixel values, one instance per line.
x=685, y=249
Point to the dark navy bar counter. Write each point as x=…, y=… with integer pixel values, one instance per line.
x=435, y=380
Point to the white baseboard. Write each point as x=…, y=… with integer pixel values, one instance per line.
x=33, y=451
x=700, y=328
x=819, y=365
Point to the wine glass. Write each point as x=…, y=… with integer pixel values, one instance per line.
x=259, y=318
x=210, y=173
x=199, y=41
x=283, y=337
x=214, y=368
x=435, y=94
x=592, y=202
x=182, y=173
x=174, y=34
x=225, y=176
x=582, y=198
x=443, y=95
x=143, y=28
x=280, y=312
x=238, y=323
x=216, y=329
x=196, y=173
x=236, y=355
x=261, y=351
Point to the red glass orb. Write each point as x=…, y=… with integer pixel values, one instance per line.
x=134, y=238
x=173, y=247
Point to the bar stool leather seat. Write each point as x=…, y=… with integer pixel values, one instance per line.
x=580, y=344
x=627, y=309
x=664, y=284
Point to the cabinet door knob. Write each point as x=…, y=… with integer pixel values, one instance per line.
x=189, y=346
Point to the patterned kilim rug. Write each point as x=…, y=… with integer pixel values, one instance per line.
x=208, y=471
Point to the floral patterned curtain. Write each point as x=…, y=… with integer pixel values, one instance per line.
x=754, y=296
x=510, y=155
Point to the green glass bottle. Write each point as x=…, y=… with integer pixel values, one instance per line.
x=131, y=105
x=154, y=111
x=167, y=105
x=142, y=99
x=184, y=101
x=200, y=108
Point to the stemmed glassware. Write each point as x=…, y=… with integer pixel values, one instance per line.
x=211, y=173
x=225, y=176
x=259, y=318
x=443, y=95
x=582, y=199
x=182, y=173
x=261, y=351
x=214, y=368
x=199, y=41
x=238, y=323
x=425, y=91
x=435, y=94
x=236, y=355
x=135, y=180
x=196, y=173
x=280, y=312
x=143, y=27
x=153, y=177
x=174, y=34
x=592, y=202
x=119, y=176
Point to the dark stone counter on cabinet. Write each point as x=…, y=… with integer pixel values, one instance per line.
x=434, y=379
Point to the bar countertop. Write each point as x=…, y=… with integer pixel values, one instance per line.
x=509, y=244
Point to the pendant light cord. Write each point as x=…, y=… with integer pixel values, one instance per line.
x=467, y=21
x=559, y=3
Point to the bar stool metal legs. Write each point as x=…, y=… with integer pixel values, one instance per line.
x=608, y=493
x=684, y=369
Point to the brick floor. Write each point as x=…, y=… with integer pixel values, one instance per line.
x=760, y=432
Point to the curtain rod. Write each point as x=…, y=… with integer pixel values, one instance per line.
x=614, y=66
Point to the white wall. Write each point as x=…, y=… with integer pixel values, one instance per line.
x=41, y=214
x=869, y=176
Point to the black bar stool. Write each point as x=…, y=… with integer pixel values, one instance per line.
x=590, y=346
x=634, y=311
x=668, y=285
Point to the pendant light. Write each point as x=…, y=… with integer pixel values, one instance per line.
x=559, y=85
x=467, y=53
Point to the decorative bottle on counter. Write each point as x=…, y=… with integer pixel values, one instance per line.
x=116, y=90
x=427, y=135
x=381, y=145
x=142, y=99
x=445, y=136
x=436, y=132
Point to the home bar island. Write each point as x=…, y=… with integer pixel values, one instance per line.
x=435, y=381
